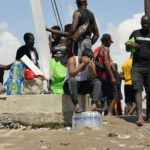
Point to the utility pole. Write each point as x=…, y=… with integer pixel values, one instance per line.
x=147, y=7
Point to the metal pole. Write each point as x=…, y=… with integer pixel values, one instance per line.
x=147, y=7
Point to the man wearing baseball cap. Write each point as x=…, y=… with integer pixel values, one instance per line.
x=104, y=70
x=80, y=17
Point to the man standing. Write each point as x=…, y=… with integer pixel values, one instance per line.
x=140, y=72
x=105, y=75
x=81, y=78
x=128, y=88
x=80, y=17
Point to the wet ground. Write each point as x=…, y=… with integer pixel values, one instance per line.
x=117, y=134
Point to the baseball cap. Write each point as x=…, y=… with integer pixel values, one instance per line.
x=107, y=37
x=80, y=1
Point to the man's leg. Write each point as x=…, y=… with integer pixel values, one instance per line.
x=138, y=97
x=112, y=103
x=132, y=109
x=138, y=80
x=95, y=92
x=70, y=87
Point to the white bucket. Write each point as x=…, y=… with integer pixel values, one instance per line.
x=92, y=120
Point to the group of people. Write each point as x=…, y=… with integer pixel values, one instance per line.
x=94, y=72
x=97, y=74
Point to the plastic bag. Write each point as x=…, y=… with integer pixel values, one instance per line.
x=34, y=86
x=132, y=40
x=28, y=74
x=58, y=75
x=15, y=87
x=16, y=71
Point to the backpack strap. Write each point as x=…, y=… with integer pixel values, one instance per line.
x=97, y=56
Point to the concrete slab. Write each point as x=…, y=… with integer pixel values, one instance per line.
x=39, y=110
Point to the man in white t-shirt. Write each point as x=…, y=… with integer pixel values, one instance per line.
x=81, y=78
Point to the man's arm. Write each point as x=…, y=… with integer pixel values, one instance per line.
x=95, y=32
x=74, y=24
x=73, y=70
x=132, y=45
x=92, y=70
x=5, y=67
x=56, y=32
x=50, y=42
x=107, y=64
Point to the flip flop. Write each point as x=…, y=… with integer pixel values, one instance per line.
x=96, y=109
x=139, y=122
x=78, y=110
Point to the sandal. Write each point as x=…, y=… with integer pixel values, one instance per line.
x=78, y=110
x=139, y=123
x=96, y=109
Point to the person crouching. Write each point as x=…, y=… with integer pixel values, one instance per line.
x=81, y=78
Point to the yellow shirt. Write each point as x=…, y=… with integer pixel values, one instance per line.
x=126, y=70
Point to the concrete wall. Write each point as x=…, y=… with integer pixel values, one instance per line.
x=39, y=110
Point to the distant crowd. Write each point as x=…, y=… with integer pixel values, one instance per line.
x=77, y=69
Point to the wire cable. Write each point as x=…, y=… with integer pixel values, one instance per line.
x=54, y=12
x=58, y=15
x=62, y=12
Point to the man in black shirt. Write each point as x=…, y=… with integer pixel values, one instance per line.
x=141, y=65
x=80, y=17
x=28, y=49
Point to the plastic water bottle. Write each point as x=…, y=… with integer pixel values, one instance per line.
x=82, y=120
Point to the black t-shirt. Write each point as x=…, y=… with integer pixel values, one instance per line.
x=142, y=55
x=87, y=15
x=31, y=52
x=59, y=51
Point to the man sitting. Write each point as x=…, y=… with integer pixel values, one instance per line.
x=81, y=78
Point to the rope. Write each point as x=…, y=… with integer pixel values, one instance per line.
x=58, y=15
x=55, y=13
x=62, y=12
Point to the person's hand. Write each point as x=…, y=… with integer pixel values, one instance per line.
x=90, y=64
x=85, y=60
x=134, y=45
x=113, y=80
x=46, y=27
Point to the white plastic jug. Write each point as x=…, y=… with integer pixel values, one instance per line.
x=90, y=119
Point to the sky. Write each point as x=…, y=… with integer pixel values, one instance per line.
x=116, y=17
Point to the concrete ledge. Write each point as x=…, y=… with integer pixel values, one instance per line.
x=39, y=110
